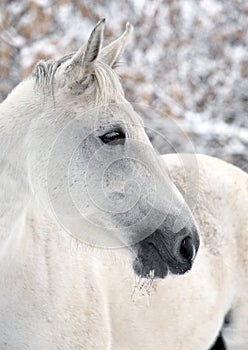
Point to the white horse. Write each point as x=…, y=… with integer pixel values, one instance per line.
x=94, y=234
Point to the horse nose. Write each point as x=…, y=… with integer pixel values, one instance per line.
x=187, y=249
x=188, y=245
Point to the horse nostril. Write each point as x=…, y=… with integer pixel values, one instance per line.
x=187, y=249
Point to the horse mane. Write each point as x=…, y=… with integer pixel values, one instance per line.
x=103, y=80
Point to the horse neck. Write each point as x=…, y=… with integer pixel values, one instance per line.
x=23, y=219
x=16, y=113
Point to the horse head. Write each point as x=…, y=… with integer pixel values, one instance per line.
x=88, y=155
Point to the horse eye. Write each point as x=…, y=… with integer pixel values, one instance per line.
x=114, y=137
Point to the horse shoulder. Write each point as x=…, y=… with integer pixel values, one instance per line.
x=216, y=180
x=221, y=194
x=220, y=210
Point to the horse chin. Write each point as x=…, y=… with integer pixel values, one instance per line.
x=150, y=263
x=157, y=271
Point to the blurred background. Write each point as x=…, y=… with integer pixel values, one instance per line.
x=186, y=59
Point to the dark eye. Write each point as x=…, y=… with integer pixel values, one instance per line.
x=114, y=137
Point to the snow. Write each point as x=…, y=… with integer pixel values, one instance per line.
x=28, y=52
x=43, y=3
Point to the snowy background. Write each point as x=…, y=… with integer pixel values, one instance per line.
x=187, y=59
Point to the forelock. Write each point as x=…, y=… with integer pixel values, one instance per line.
x=102, y=84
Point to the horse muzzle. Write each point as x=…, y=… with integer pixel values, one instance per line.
x=165, y=251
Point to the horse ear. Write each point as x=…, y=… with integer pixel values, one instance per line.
x=94, y=43
x=111, y=53
x=83, y=60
